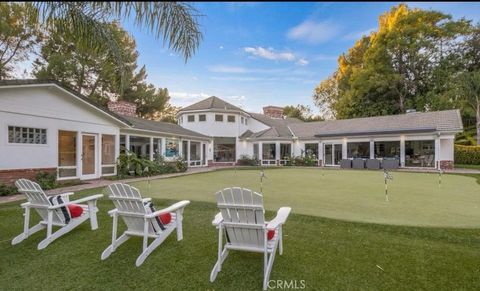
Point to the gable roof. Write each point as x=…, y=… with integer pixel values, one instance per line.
x=161, y=127
x=279, y=127
x=435, y=121
x=212, y=103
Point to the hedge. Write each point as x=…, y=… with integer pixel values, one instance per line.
x=467, y=155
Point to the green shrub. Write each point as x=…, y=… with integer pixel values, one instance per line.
x=181, y=165
x=6, y=190
x=129, y=164
x=304, y=161
x=467, y=155
x=47, y=180
x=246, y=160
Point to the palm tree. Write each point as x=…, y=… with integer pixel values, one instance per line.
x=174, y=22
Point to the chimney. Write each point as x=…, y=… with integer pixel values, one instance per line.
x=273, y=111
x=122, y=108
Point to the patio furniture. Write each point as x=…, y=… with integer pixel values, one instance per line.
x=55, y=210
x=346, y=164
x=242, y=222
x=358, y=164
x=373, y=164
x=142, y=220
x=390, y=164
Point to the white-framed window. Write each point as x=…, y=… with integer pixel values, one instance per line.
x=242, y=119
x=191, y=118
x=28, y=135
x=245, y=121
x=219, y=117
x=231, y=118
x=202, y=117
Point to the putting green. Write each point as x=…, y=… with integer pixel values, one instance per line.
x=414, y=198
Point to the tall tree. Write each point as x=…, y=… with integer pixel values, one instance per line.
x=469, y=95
x=301, y=112
x=19, y=33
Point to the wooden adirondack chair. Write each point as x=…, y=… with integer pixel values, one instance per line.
x=242, y=221
x=51, y=214
x=131, y=207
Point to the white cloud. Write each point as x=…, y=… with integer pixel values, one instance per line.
x=322, y=57
x=227, y=69
x=314, y=32
x=270, y=54
x=358, y=34
x=221, y=47
x=302, y=62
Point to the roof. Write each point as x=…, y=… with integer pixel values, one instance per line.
x=163, y=127
x=279, y=127
x=23, y=82
x=211, y=103
x=435, y=121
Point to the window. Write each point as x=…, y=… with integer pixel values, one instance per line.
x=67, y=154
x=255, y=151
x=358, y=150
x=28, y=135
x=140, y=146
x=171, y=147
x=157, y=148
x=123, y=146
x=268, y=151
x=191, y=118
x=194, y=151
x=241, y=120
x=108, y=154
x=224, y=149
x=420, y=153
x=202, y=117
x=311, y=149
x=245, y=121
x=231, y=118
x=387, y=149
x=285, y=151
x=219, y=117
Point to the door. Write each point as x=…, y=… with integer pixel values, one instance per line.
x=337, y=156
x=328, y=154
x=332, y=154
x=204, y=154
x=89, y=157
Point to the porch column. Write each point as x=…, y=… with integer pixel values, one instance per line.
x=402, y=151
x=188, y=152
x=437, y=151
x=260, y=152
x=151, y=149
x=277, y=153
x=99, y=153
x=344, y=149
x=201, y=153
x=180, y=148
x=320, y=154
x=163, y=141
x=79, y=154
x=372, y=149
x=127, y=142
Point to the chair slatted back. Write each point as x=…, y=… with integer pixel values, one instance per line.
x=36, y=196
x=243, y=216
x=127, y=199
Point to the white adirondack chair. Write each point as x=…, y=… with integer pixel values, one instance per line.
x=130, y=206
x=51, y=214
x=241, y=219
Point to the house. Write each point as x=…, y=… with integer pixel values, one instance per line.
x=45, y=126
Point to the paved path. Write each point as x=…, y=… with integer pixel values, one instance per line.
x=103, y=183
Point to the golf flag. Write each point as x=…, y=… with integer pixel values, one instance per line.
x=262, y=176
x=440, y=173
x=387, y=176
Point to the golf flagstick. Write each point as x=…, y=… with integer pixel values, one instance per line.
x=440, y=173
x=262, y=175
x=386, y=176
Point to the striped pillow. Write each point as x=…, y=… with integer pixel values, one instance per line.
x=156, y=223
x=63, y=213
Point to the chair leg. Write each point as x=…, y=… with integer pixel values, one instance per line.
x=179, y=224
x=222, y=255
x=268, y=270
x=18, y=239
x=111, y=248
x=92, y=211
x=65, y=229
x=146, y=252
x=280, y=242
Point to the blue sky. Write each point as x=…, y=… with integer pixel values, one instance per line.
x=257, y=54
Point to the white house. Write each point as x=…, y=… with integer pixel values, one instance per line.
x=47, y=127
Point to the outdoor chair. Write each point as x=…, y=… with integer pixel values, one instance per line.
x=56, y=210
x=390, y=164
x=373, y=164
x=142, y=220
x=241, y=221
x=346, y=164
x=358, y=164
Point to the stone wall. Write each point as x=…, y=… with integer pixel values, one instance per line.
x=123, y=108
x=446, y=165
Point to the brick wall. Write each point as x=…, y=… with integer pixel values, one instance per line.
x=123, y=108
x=446, y=165
x=273, y=111
x=10, y=176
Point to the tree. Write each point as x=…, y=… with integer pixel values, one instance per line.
x=326, y=96
x=301, y=112
x=169, y=114
x=19, y=33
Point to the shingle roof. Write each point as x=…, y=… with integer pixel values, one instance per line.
x=278, y=127
x=447, y=120
x=163, y=127
x=211, y=103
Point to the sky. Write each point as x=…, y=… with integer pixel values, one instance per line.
x=255, y=54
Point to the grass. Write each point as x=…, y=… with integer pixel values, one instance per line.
x=415, y=198
x=464, y=166
x=327, y=254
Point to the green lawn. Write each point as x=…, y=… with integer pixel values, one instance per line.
x=327, y=253
x=415, y=198
x=462, y=166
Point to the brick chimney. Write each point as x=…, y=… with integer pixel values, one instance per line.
x=273, y=111
x=123, y=108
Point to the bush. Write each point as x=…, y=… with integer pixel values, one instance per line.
x=6, y=190
x=181, y=165
x=47, y=180
x=246, y=160
x=128, y=164
x=303, y=161
x=467, y=155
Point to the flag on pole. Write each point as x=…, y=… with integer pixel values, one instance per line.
x=262, y=176
x=440, y=173
x=387, y=176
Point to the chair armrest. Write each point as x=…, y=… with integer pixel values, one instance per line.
x=66, y=194
x=86, y=199
x=282, y=215
x=218, y=219
x=146, y=200
x=172, y=208
x=112, y=212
